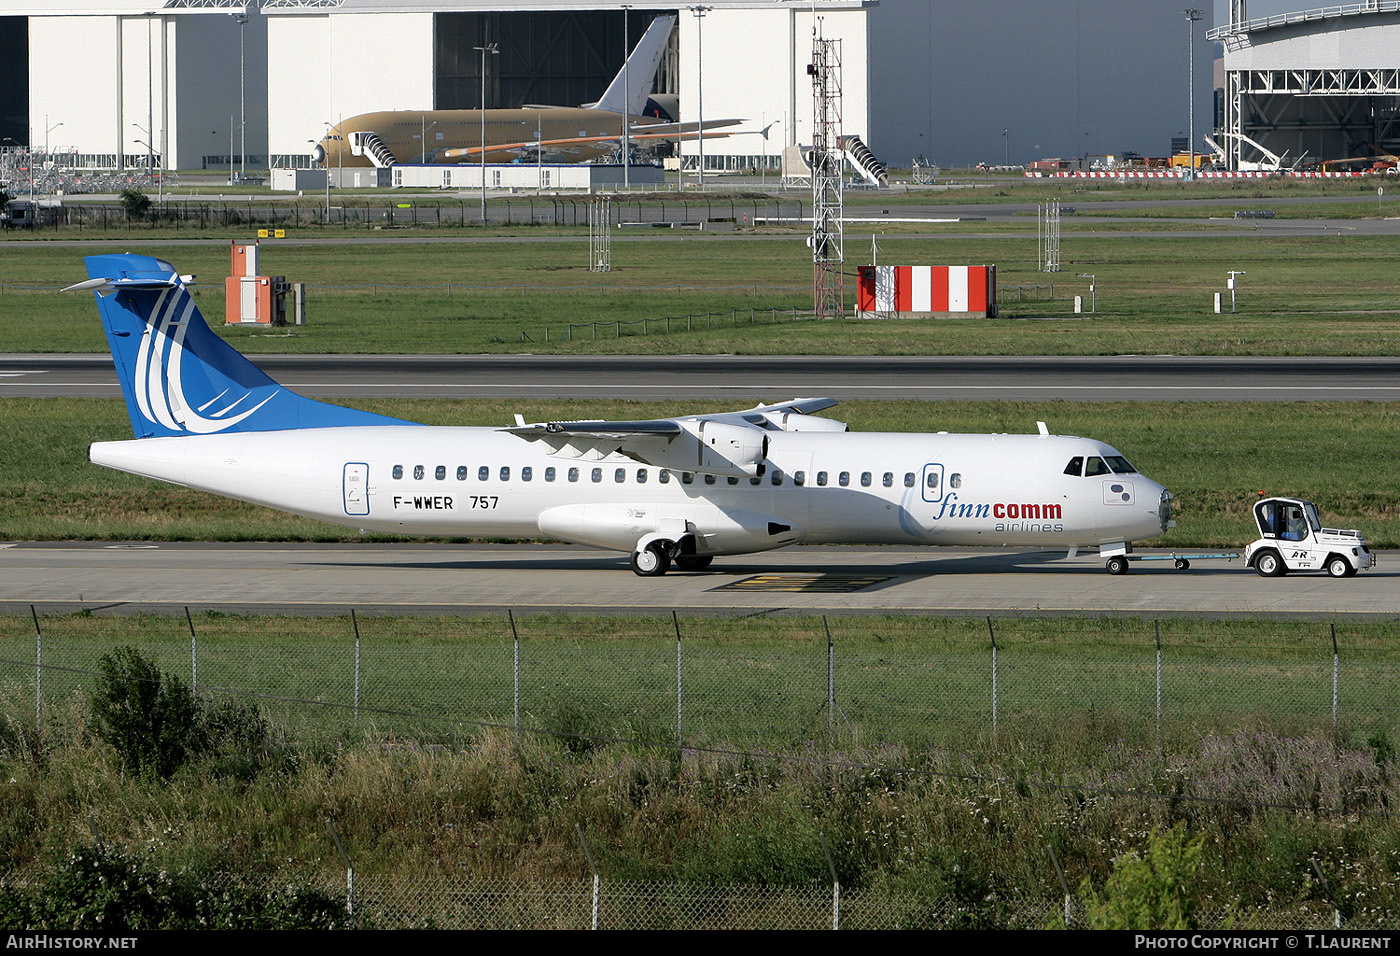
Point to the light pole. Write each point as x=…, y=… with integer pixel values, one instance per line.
x=1006, y=147
x=423, y=135
x=700, y=12
x=160, y=195
x=326, y=165
x=48, y=156
x=626, y=104
x=488, y=48
x=242, y=20
x=150, y=153
x=1192, y=17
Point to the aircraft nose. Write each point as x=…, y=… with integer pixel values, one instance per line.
x=318, y=154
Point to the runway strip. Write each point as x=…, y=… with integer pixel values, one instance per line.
x=472, y=579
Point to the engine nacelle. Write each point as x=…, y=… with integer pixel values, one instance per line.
x=712, y=448
x=798, y=422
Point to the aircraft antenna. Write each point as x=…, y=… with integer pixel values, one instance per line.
x=828, y=241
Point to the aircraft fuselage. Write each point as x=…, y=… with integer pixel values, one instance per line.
x=876, y=488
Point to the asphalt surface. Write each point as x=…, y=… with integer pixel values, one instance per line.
x=478, y=579
x=730, y=378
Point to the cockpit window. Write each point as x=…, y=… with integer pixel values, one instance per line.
x=1075, y=466
x=1120, y=465
x=1096, y=466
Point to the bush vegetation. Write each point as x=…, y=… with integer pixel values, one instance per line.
x=1152, y=838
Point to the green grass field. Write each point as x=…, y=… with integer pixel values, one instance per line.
x=1329, y=294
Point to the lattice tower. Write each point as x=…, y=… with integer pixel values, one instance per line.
x=828, y=240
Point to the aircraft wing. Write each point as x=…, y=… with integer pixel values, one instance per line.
x=733, y=444
x=669, y=131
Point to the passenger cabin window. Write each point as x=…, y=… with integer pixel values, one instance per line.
x=932, y=479
x=549, y=473
x=505, y=472
x=483, y=473
x=821, y=479
x=844, y=479
x=955, y=480
x=756, y=480
x=777, y=478
x=709, y=479
x=799, y=477
x=641, y=476
x=620, y=475
x=418, y=472
x=687, y=478
x=527, y=473
x=573, y=474
x=461, y=472
x=664, y=476
x=1075, y=466
x=732, y=480
x=440, y=472
x=909, y=479
x=398, y=472
x=865, y=479
x=597, y=475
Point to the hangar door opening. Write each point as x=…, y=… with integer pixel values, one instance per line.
x=564, y=58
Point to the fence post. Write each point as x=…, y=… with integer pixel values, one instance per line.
x=194, y=653
x=830, y=686
x=355, y=622
x=1336, y=666
x=349, y=870
x=597, y=883
x=993, y=634
x=1069, y=911
x=38, y=672
x=680, y=682
x=515, y=682
x=1157, y=627
x=835, y=886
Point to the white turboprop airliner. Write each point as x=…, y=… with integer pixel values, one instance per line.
x=670, y=491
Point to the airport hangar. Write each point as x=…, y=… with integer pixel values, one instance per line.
x=955, y=82
x=1324, y=82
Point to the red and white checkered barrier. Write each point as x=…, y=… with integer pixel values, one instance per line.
x=956, y=290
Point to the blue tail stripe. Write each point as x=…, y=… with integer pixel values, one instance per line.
x=180, y=378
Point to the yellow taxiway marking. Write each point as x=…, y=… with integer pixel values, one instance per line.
x=819, y=582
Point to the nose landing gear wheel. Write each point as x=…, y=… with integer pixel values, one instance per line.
x=652, y=561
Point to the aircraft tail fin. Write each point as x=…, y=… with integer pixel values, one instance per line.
x=177, y=376
x=631, y=97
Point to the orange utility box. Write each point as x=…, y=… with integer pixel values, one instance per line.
x=250, y=298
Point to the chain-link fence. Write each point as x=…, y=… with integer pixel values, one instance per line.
x=378, y=213
x=703, y=684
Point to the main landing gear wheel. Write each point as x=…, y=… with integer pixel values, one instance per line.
x=1268, y=564
x=1116, y=565
x=1182, y=564
x=652, y=561
x=694, y=562
x=1339, y=567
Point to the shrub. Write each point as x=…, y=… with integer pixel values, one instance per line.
x=1151, y=890
x=106, y=888
x=156, y=724
x=136, y=203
